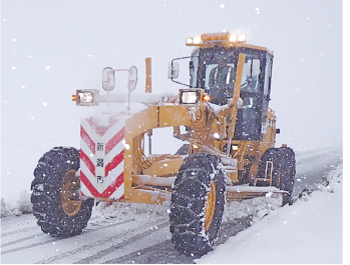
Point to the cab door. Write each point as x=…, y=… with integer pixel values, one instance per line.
x=255, y=91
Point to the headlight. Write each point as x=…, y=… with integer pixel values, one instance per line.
x=189, y=41
x=197, y=40
x=86, y=97
x=233, y=37
x=242, y=37
x=189, y=97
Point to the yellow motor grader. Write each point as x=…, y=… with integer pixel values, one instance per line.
x=223, y=118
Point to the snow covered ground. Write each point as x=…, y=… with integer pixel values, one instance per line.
x=310, y=231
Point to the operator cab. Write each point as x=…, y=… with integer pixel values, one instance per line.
x=213, y=67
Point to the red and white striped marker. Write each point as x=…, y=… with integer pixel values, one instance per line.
x=102, y=159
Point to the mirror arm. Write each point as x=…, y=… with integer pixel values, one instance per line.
x=179, y=82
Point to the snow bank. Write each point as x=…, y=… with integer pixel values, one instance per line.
x=21, y=206
x=255, y=208
x=309, y=231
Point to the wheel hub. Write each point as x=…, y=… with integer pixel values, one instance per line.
x=70, y=199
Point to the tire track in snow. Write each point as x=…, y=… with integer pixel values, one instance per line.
x=12, y=225
x=164, y=252
x=116, y=247
x=26, y=247
x=52, y=239
x=31, y=227
x=21, y=240
x=19, y=231
x=100, y=246
x=161, y=253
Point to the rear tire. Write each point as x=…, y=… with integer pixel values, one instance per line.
x=59, y=210
x=283, y=174
x=197, y=204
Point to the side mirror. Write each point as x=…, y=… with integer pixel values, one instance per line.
x=173, y=70
x=132, y=78
x=108, y=81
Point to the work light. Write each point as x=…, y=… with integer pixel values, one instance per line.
x=189, y=97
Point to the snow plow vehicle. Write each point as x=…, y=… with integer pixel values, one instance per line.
x=229, y=152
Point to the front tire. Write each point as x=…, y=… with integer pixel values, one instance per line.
x=57, y=206
x=197, y=204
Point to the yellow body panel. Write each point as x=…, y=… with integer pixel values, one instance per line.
x=149, y=179
x=164, y=167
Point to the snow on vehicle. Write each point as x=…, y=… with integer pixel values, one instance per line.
x=229, y=150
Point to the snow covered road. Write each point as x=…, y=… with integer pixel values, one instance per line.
x=106, y=238
x=309, y=231
x=313, y=165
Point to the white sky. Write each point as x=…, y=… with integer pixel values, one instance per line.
x=51, y=48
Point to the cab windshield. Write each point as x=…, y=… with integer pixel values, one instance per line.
x=217, y=69
x=214, y=70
